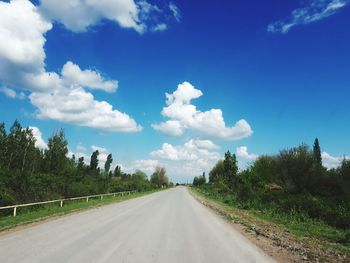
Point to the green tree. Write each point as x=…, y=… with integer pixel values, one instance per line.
x=216, y=174
x=199, y=180
x=117, y=171
x=317, y=153
x=55, y=156
x=94, y=161
x=159, y=177
x=230, y=170
x=3, y=144
x=108, y=163
x=296, y=168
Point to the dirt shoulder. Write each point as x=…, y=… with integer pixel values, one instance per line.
x=274, y=239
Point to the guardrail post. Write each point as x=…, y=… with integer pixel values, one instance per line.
x=129, y=192
x=101, y=197
x=114, y=195
x=15, y=211
x=87, y=199
x=61, y=203
x=122, y=193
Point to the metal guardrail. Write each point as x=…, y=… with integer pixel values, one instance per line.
x=63, y=200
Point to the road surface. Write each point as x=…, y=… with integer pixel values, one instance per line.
x=168, y=226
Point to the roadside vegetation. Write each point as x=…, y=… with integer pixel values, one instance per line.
x=291, y=188
x=29, y=174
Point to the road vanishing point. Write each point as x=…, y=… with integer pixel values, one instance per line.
x=167, y=226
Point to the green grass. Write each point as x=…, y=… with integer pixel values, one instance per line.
x=42, y=212
x=296, y=223
x=304, y=226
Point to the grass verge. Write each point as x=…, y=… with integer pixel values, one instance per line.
x=312, y=240
x=43, y=212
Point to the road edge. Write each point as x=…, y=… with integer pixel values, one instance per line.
x=269, y=243
x=40, y=220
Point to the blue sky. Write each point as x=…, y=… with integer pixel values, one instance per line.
x=249, y=77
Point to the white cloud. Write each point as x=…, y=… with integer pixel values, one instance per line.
x=316, y=10
x=72, y=74
x=242, y=152
x=188, y=160
x=40, y=143
x=81, y=148
x=176, y=11
x=183, y=115
x=61, y=98
x=160, y=27
x=79, y=107
x=22, y=31
x=172, y=128
x=330, y=161
x=79, y=15
x=10, y=93
x=182, y=162
x=191, y=150
x=147, y=166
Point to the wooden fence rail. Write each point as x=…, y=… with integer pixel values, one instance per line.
x=87, y=197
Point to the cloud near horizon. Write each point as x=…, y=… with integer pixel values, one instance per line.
x=242, y=152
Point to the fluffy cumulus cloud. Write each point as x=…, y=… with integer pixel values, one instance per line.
x=184, y=116
x=40, y=143
x=22, y=31
x=72, y=74
x=148, y=166
x=314, y=11
x=191, y=150
x=79, y=15
x=57, y=96
x=330, y=161
x=242, y=152
x=76, y=106
x=192, y=158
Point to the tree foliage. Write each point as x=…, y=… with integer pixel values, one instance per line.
x=293, y=181
x=29, y=174
x=159, y=178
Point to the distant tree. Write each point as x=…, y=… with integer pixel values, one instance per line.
x=3, y=144
x=230, y=170
x=94, y=161
x=108, y=163
x=217, y=172
x=55, y=156
x=117, y=171
x=195, y=181
x=14, y=146
x=296, y=168
x=199, y=180
x=159, y=177
x=317, y=153
x=81, y=164
x=139, y=175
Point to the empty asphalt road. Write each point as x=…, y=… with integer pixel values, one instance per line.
x=168, y=226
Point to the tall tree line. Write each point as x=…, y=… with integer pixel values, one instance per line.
x=29, y=174
x=293, y=181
